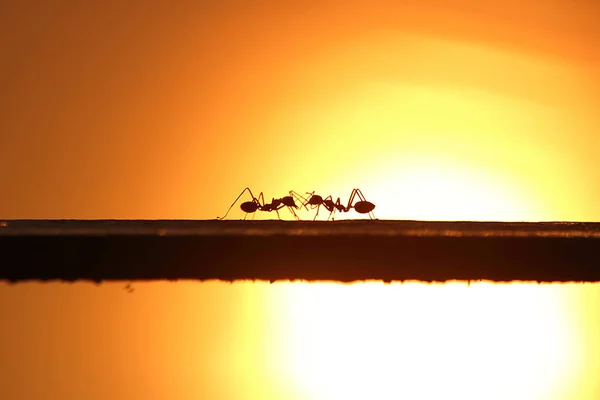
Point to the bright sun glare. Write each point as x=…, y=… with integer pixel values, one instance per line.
x=437, y=190
x=417, y=341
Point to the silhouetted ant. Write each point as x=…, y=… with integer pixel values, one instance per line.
x=317, y=201
x=258, y=204
x=362, y=206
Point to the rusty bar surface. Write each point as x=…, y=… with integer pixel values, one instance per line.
x=346, y=251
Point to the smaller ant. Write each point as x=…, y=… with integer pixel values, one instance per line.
x=258, y=204
x=362, y=206
x=317, y=201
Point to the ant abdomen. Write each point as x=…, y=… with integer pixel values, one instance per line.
x=364, y=207
x=249, y=207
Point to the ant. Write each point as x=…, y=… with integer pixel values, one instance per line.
x=258, y=203
x=362, y=206
x=318, y=201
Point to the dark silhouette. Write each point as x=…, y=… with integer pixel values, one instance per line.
x=362, y=206
x=343, y=251
x=129, y=288
x=258, y=204
x=316, y=201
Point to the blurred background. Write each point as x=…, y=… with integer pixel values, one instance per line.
x=437, y=110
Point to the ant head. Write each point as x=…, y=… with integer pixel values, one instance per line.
x=289, y=201
x=315, y=199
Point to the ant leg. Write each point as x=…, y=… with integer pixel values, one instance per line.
x=276, y=209
x=332, y=210
x=294, y=213
x=259, y=204
x=351, y=199
x=360, y=195
x=317, y=214
x=356, y=192
x=289, y=208
x=332, y=214
x=260, y=201
x=261, y=196
x=335, y=208
x=232, y=204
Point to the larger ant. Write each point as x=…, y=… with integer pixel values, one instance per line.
x=362, y=206
x=258, y=204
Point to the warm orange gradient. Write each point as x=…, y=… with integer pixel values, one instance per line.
x=177, y=108
x=300, y=341
x=437, y=110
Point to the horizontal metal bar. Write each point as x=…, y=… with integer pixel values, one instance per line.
x=343, y=251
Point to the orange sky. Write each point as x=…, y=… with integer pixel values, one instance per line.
x=435, y=109
x=177, y=108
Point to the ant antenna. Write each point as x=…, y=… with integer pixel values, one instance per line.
x=298, y=197
x=231, y=206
